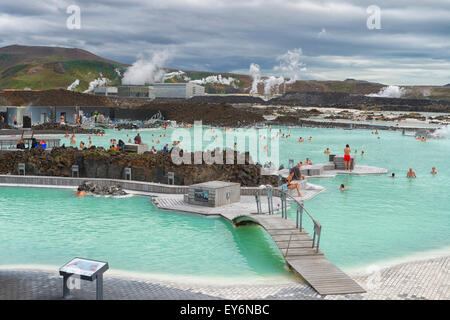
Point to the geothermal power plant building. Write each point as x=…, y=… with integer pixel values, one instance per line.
x=162, y=91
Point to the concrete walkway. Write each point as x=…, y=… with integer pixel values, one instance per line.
x=428, y=279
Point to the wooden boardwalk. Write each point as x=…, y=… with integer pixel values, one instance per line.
x=297, y=250
x=295, y=245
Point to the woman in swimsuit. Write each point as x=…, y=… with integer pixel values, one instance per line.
x=293, y=185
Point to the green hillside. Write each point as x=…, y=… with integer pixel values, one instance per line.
x=39, y=68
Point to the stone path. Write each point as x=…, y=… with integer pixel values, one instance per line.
x=428, y=279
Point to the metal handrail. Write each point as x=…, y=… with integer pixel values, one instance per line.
x=299, y=222
x=300, y=209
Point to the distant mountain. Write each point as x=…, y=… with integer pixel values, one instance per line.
x=39, y=67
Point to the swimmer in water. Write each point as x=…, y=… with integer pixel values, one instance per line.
x=342, y=187
x=393, y=175
x=301, y=140
x=80, y=193
x=411, y=173
x=327, y=151
x=433, y=171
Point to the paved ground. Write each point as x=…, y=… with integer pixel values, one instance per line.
x=428, y=279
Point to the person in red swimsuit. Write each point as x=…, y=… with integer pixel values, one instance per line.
x=347, y=157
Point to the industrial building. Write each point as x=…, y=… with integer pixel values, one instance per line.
x=32, y=115
x=161, y=91
x=106, y=91
x=178, y=90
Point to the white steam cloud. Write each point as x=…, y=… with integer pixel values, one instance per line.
x=171, y=75
x=146, y=69
x=96, y=83
x=389, y=92
x=216, y=80
x=75, y=84
x=272, y=82
x=255, y=73
x=290, y=65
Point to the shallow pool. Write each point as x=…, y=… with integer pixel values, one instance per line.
x=377, y=219
x=50, y=226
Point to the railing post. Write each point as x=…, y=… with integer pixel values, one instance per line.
x=314, y=237
x=258, y=203
x=300, y=208
x=283, y=205
x=318, y=241
x=269, y=199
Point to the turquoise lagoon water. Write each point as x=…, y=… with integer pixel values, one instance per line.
x=378, y=219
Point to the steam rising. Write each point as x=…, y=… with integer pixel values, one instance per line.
x=96, y=83
x=146, y=69
x=75, y=84
x=216, y=80
x=171, y=75
x=389, y=92
x=272, y=82
x=255, y=73
x=290, y=66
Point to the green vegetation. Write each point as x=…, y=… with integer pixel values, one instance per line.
x=59, y=74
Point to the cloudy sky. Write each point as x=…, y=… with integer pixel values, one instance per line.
x=412, y=45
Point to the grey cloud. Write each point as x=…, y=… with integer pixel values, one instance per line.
x=229, y=35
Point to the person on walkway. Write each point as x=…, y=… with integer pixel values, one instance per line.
x=411, y=173
x=95, y=116
x=347, y=157
x=291, y=185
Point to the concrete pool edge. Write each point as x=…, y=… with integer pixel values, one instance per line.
x=413, y=281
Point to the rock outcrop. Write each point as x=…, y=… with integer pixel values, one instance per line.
x=99, y=163
x=109, y=190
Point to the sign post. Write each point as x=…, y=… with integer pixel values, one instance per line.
x=83, y=269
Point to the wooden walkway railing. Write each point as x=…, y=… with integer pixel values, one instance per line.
x=302, y=252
